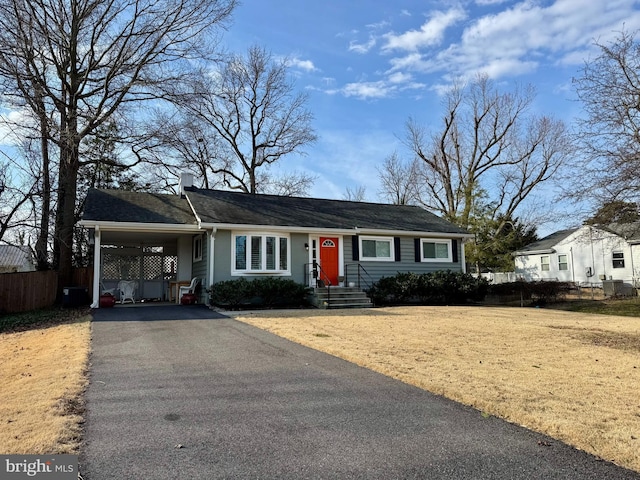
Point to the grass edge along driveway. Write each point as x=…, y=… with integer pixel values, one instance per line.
x=43, y=373
x=572, y=376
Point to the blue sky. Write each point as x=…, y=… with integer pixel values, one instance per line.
x=370, y=65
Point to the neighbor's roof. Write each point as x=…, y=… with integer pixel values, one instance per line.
x=629, y=231
x=546, y=244
x=224, y=207
x=138, y=207
x=14, y=256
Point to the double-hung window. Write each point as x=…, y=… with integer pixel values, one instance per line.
x=435, y=250
x=545, y=263
x=255, y=253
x=563, y=264
x=377, y=249
x=618, y=259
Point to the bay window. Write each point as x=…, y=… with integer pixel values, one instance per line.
x=260, y=253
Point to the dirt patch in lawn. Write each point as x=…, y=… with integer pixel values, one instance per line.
x=573, y=376
x=43, y=376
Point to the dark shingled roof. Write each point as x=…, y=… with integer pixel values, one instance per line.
x=628, y=231
x=122, y=206
x=217, y=206
x=548, y=242
x=14, y=256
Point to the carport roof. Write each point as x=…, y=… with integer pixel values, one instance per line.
x=104, y=205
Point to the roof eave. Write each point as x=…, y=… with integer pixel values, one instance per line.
x=534, y=252
x=337, y=231
x=139, y=227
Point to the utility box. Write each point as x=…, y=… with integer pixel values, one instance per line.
x=613, y=288
x=75, y=296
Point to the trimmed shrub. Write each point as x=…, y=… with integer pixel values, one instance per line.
x=434, y=288
x=266, y=292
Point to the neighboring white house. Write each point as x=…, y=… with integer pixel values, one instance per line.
x=587, y=255
x=15, y=259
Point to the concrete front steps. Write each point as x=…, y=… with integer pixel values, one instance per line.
x=341, y=297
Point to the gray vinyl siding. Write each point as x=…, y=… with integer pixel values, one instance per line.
x=222, y=257
x=299, y=257
x=199, y=269
x=407, y=262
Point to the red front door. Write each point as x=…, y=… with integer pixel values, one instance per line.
x=329, y=254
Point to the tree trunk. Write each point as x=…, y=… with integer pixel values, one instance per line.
x=42, y=257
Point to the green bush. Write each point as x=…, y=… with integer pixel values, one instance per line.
x=267, y=292
x=434, y=288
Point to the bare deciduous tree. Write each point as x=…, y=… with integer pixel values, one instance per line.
x=83, y=60
x=249, y=117
x=488, y=150
x=609, y=134
x=400, y=181
x=355, y=194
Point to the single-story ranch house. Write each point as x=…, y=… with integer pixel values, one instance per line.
x=589, y=255
x=163, y=241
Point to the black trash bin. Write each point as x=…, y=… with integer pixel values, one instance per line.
x=75, y=296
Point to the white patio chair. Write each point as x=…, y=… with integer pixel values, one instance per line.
x=191, y=288
x=106, y=291
x=127, y=290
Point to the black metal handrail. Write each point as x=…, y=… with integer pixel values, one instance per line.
x=361, y=271
x=317, y=273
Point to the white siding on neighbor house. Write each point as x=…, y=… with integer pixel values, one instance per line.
x=587, y=249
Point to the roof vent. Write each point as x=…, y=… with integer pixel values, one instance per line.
x=186, y=180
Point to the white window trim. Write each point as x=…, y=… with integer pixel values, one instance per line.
x=392, y=252
x=248, y=272
x=449, y=258
x=613, y=260
x=566, y=262
x=548, y=264
x=197, y=248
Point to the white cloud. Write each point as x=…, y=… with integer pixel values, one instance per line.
x=362, y=47
x=306, y=65
x=514, y=41
x=430, y=33
x=400, y=77
x=367, y=90
x=483, y=3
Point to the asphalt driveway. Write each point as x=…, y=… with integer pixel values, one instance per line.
x=185, y=393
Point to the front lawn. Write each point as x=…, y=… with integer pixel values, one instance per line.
x=571, y=375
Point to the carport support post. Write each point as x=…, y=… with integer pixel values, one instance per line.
x=95, y=295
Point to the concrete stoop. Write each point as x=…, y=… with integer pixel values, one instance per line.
x=340, y=297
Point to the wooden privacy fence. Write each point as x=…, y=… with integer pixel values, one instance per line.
x=25, y=291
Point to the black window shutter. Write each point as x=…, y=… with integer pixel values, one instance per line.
x=355, y=250
x=454, y=251
x=416, y=244
x=396, y=248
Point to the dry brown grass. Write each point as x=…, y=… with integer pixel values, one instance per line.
x=43, y=375
x=573, y=376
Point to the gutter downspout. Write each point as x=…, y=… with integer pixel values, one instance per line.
x=462, y=257
x=212, y=247
x=95, y=295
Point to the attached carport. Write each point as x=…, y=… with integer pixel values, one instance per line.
x=145, y=238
